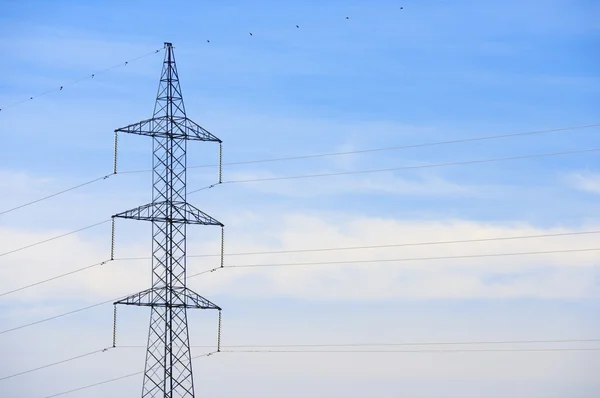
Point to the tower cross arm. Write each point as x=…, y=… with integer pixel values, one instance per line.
x=178, y=127
x=156, y=297
x=180, y=212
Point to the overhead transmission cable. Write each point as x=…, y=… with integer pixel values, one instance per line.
x=58, y=316
x=322, y=249
x=55, y=194
x=269, y=348
x=115, y=379
x=321, y=155
x=408, y=259
x=431, y=351
x=410, y=146
x=348, y=173
x=427, y=243
x=53, y=238
x=397, y=344
x=87, y=77
x=422, y=166
x=389, y=148
x=252, y=33
x=348, y=262
x=55, y=363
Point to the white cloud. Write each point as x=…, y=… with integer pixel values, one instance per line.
x=584, y=181
x=23, y=183
x=385, y=183
x=546, y=276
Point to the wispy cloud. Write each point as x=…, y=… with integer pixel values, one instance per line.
x=371, y=184
x=545, y=276
x=587, y=181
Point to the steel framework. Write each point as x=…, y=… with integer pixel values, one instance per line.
x=168, y=370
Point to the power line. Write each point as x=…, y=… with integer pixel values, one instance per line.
x=56, y=194
x=95, y=384
x=430, y=351
x=114, y=379
x=125, y=63
x=389, y=148
x=401, y=244
x=440, y=343
x=55, y=363
x=425, y=166
x=355, y=345
x=409, y=259
x=308, y=251
x=53, y=238
x=89, y=76
x=358, y=172
x=57, y=316
x=415, y=351
x=268, y=349
x=319, y=263
x=252, y=31
x=54, y=278
x=398, y=147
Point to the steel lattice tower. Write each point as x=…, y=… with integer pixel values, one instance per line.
x=168, y=371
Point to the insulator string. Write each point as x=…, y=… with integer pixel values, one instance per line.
x=112, y=239
x=114, y=339
x=219, y=334
x=220, y=162
x=222, y=246
x=115, y=153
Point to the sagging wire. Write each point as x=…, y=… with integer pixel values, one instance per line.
x=89, y=76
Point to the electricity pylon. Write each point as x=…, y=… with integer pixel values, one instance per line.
x=168, y=371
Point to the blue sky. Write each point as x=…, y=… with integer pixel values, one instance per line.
x=434, y=71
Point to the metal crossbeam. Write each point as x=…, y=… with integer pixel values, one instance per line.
x=182, y=213
x=183, y=128
x=182, y=298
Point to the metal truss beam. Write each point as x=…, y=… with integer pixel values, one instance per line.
x=181, y=213
x=183, y=128
x=182, y=298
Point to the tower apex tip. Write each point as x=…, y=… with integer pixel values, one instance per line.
x=167, y=44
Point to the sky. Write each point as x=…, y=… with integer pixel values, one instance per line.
x=354, y=75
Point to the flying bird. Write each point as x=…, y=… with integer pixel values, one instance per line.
x=250, y=33
x=297, y=26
